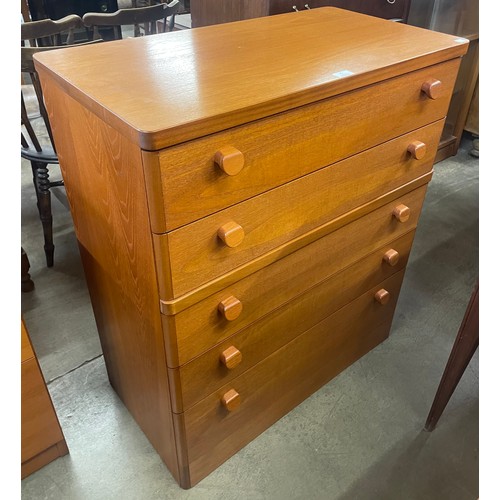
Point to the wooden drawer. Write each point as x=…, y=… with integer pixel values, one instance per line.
x=246, y=348
x=185, y=184
x=210, y=247
x=199, y=327
x=282, y=380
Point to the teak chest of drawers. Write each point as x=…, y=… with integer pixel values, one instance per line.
x=245, y=198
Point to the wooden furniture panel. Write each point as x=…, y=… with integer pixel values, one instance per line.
x=195, y=329
x=193, y=185
x=285, y=378
x=246, y=223
x=208, y=12
x=42, y=440
x=263, y=337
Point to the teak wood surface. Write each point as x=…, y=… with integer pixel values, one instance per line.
x=230, y=74
x=314, y=136
x=196, y=329
x=205, y=374
x=278, y=383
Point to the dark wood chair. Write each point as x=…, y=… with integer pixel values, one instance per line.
x=148, y=20
x=37, y=145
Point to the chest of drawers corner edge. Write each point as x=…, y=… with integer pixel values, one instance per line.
x=295, y=215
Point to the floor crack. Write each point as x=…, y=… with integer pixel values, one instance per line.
x=86, y=362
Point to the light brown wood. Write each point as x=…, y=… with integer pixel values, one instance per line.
x=101, y=170
x=231, y=357
x=382, y=296
x=230, y=160
x=417, y=149
x=391, y=257
x=402, y=213
x=231, y=400
x=283, y=379
x=194, y=330
x=185, y=301
x=217, y=87
x=214, y=180
x=259, y=339
x=42, y=440
x=231, y=234
x=432, y=88
x=230, y=308
x=319, y=134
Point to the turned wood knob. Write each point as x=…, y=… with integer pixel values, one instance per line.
x=417, y=149
x=230, y=160
x=231, y=234
x=231, y=400
x=230, y=308
x=432, y=88
x=231, y=357
x=382, y=296
x=402, y=213
x=391, y=257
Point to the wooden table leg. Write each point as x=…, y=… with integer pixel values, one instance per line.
x=465, y=346
x=27, y=284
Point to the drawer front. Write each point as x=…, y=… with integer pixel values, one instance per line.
x=246, y=348
x=185, y=182
x=203, y=325
x=277, y=384
x=210, y=247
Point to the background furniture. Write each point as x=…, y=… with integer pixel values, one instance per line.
x=460, y=18
x=206, y=12
x=42, y=440
x=27, y=284
x=254, y=238
x=465, y=346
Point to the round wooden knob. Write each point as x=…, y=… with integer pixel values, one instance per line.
x=391, y=257
x=231, y=400
x=402, y=213
x=417, y=149
x=230, y=308
x=231, y=234
x=230, y=160
x=231, y=357
x=382, y=296
x=432, y=88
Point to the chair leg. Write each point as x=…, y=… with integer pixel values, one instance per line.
x=465, y=346
x=27, y=284
x=45, y=210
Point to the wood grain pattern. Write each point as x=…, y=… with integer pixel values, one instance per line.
x=256, y=226
x=284, y=379
x=209, y=12
x=184, y=301
x=103, y=178
x=315, y=136
x=221, y=76
x=194, y=330
x=261, y=338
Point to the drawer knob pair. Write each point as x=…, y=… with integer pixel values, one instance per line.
x=231, y=357
x=382, y=296
x=231, y=400
x=230, y=308
x=230, y=160
x=432, y=88
x=417, y=149
x=231, y=233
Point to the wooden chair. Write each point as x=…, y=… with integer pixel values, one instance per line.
x=37, y=144
x=151, y=19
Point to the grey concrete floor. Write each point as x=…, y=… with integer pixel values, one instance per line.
x=359, y=437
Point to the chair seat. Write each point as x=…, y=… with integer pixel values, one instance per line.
x=47, y=155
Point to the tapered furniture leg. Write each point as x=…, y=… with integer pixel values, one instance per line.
x=27, y=284
x=465, y=346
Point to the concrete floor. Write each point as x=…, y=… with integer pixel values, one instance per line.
x=359, y=437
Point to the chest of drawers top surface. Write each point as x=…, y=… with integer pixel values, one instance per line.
x=165, y=89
